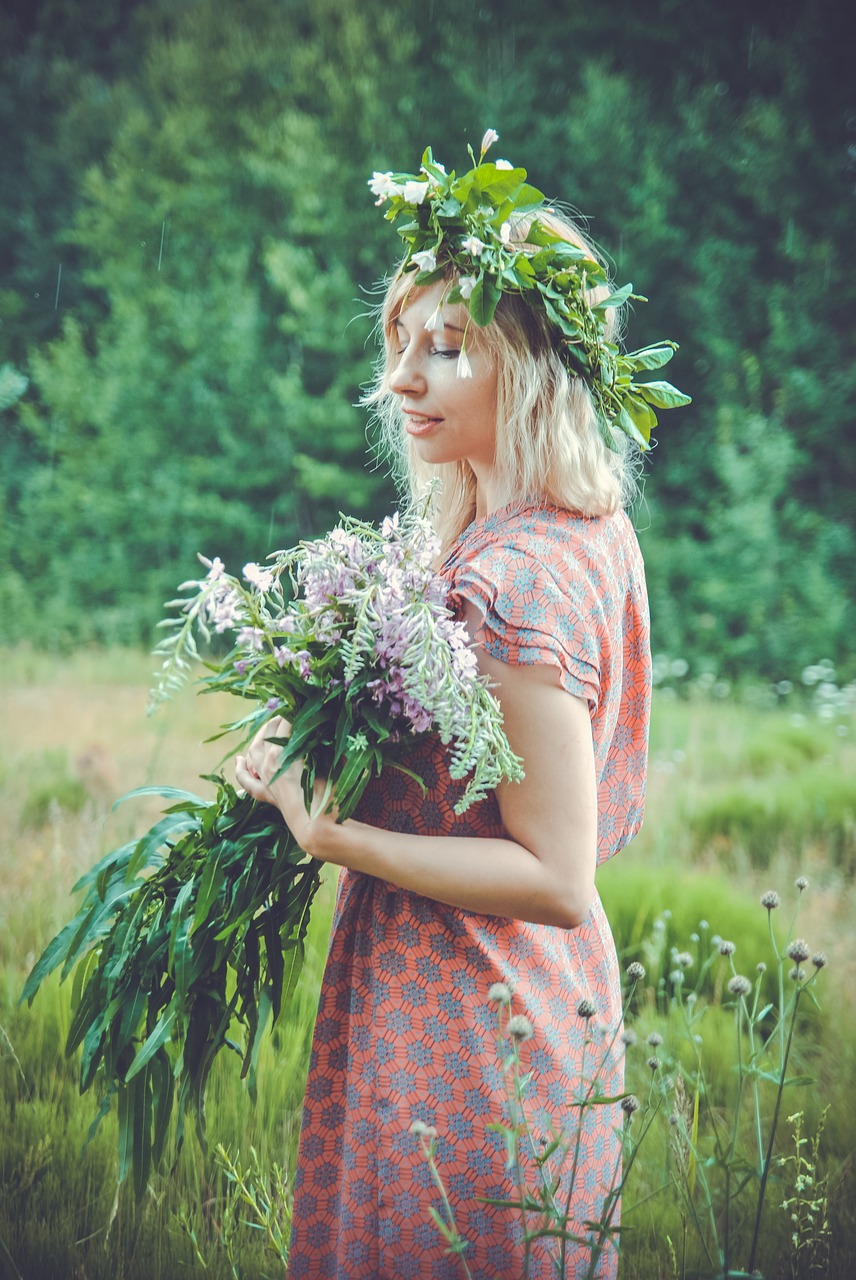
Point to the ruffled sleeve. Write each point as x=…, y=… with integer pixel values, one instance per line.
x=532, y=612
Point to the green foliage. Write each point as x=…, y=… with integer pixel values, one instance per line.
x=59, y=1213
x=757, y=817
x=188, y=233
x=443, y=211
x=197, y=926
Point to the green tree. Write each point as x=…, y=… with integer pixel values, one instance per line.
x=212, y=408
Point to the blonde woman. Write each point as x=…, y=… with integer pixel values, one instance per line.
x=440, y=919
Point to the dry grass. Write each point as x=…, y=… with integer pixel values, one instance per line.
x=75, y=736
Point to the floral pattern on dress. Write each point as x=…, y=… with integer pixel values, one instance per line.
x=404, y=1030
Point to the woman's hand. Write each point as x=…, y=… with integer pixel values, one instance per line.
x=254, y=772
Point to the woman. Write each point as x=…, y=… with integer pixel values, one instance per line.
x=435, y=909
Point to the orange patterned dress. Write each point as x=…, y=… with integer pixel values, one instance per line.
x=405, y=1031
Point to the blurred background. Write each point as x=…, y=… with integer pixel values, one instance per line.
x=189, y=251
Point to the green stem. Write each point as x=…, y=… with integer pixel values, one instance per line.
x=450, y=1216
x=756, y=1096
x=741, y=1006
x=769, y=1156
x=780, y=968
x=576, y=1159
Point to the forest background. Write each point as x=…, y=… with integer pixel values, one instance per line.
x=189, y=253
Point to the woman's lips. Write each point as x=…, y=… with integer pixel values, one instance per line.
x=418, y=424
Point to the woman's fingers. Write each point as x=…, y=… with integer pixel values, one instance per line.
x=247, y=777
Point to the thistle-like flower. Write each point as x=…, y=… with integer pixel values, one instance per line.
x=635, y=971
x=628, y=1036
x=421, y=1130
x=629, y=1104
x=655, y=1039
x=654, y=1062
x=586, y=1009
x=739, y=986
x=770, y=900
x=727, y=948
x=819, y=959
x=801, y=883
x=520, y=1028
x=798, y=950
x=499, y=993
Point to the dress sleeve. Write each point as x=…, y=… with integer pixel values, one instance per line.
x=531, y=614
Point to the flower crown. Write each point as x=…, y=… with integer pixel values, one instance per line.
x=469, y=222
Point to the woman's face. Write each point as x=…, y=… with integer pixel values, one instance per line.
x=449, y=418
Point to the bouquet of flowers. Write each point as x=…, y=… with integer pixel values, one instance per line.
x=190, y=939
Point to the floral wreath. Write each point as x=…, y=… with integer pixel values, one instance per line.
x=468, y=222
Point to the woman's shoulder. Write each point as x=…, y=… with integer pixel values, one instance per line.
x=556, y=539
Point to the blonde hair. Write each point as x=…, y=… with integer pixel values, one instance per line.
x=550, y=448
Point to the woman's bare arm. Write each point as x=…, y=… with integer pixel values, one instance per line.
x=542, y=872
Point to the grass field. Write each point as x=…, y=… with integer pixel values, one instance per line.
x=742, y=798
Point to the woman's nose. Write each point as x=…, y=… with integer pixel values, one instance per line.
x=407, y=376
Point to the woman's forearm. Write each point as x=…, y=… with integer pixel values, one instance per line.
x=490, y=876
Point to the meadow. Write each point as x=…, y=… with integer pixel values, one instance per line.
x=748, y=791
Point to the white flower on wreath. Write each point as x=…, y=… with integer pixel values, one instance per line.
x=435, y=320
x=466, y=284
x=473, y=246
x=415, y=192
x=426, y=259
x=382, y=186
x=505, y=233
x=463, y=368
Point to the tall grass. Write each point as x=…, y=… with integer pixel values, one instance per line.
x=740, y=801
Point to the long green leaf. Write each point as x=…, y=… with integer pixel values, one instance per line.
x=165, y=793
x=662, y=394
x=52, y=956
x=157, y=838
x=158, y=1037
x=142, y=1156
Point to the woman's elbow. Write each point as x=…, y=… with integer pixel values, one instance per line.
x=573, y=906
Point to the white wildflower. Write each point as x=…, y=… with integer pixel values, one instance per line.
x=215, y=567
x=473, y=246
x=435, y=320
x=464, y=368
x=426, y=259
x=466, y=284
x=415, y=192
x=252, y=637
x=490, y=137
x=503, y=164
x=261, y=579
x=383, y=186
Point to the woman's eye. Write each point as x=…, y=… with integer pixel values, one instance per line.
x=448, y=353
